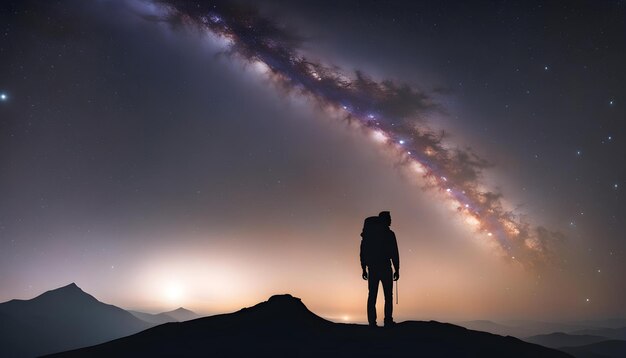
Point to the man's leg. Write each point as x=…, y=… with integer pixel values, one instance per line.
x=372, y=284
x=387, y=279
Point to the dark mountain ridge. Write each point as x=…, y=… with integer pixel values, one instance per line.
x=283, y=326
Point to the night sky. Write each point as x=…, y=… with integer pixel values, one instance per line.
x=210, y=154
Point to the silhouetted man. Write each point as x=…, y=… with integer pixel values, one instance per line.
x=379, y=249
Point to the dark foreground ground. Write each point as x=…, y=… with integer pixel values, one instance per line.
x=283, y=326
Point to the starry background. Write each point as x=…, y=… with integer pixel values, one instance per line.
x=137, y=163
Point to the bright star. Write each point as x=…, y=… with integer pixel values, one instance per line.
x=3, y=97
x=216, y=19
x=401, y=141
x=611, y=102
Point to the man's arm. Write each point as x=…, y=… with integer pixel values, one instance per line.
x=395, y=255
x=362, y=257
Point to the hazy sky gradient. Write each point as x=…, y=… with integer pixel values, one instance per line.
x=155, y=174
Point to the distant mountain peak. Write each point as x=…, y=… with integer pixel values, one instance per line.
x=61, y=319
x=179, y=310
x=71, y=286
x=68, y=292
x=181, y=314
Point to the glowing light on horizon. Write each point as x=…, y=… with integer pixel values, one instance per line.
x=173, y=292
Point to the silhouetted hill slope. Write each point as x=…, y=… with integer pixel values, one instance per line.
x=178, y=315
x=542, y=327
x=603, y=323
x=612, y=333
x=284, y=327
x=558, y=339
x=61, y=319
x=496, y=328
x=606, y=349
x=526, y=328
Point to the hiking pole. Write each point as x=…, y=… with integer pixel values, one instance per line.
x=397, y=291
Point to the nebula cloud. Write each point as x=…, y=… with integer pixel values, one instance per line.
x=392, y=113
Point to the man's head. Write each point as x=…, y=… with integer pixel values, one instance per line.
x=385, y=218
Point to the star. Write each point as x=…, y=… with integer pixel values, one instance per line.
x=545, y=68
x=3, y=97
x=216, y=19
x=611, y=102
